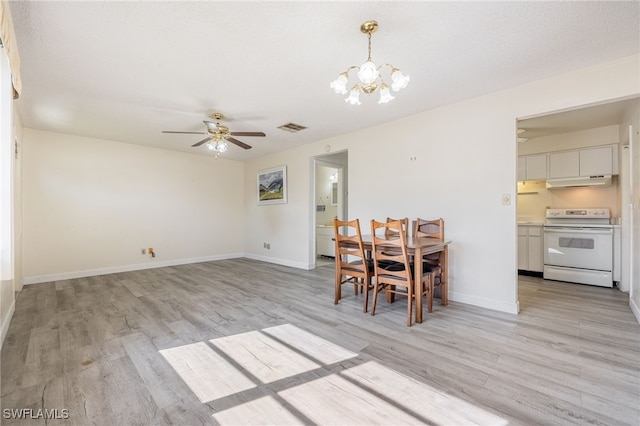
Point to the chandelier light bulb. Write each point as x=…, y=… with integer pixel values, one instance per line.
x=354, y=96
x=385, y=95
x=399, y=81
x=368, y=73
x=339, y=85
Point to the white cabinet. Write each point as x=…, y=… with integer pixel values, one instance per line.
x=596, y=161
x=601, y=160
x=532, y=167
x=325, y=245
x=530, y=248
x=564, y=164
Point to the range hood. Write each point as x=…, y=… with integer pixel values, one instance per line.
x=602, y=180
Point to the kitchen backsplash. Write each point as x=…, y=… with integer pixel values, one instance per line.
x=534, y=198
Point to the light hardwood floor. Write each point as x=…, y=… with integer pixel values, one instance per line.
x=245, y=342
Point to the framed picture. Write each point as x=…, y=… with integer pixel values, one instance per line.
x=272, y=186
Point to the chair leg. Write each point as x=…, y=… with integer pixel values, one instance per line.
x=430, y=295
x=444, y=292
x=375, y=297
x=410, y=298
x=355, y=285
x=338, y=288
x=365, y=288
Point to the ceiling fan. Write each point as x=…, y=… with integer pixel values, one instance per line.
x=218, y=135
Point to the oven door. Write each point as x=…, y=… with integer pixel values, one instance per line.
x=584, y=248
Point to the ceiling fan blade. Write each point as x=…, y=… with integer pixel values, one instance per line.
x=247, y=134
x=211, y=126
x=185, y=133
x=201, y=142
x=237, y=142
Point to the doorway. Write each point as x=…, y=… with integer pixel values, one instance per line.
x=330, y=201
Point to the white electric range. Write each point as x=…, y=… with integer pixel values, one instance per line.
x=578, y=246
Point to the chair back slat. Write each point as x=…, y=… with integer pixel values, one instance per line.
x=388, y=231
x=429, y=228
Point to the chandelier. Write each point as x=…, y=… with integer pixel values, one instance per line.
x=217, y=144
x=369, y=76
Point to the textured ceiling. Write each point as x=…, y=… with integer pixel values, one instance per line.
x=125, y=71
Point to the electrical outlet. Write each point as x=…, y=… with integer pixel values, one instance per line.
x=267, y=246
x=143, y=251
x=506, y=199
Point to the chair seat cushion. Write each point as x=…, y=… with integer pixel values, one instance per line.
x=358, y=266
x=389, y=265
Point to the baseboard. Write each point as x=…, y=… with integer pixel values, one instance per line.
x=283, y=262
x=635, y=309
x=126, y=268
x=510, y=308
x=6, y=321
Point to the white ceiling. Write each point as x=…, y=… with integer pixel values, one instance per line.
x=126, y=70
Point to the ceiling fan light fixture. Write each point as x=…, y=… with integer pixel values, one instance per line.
x=219, y=136
x=369, y=75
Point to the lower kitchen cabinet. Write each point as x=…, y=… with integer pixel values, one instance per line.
x=530, y=248
x=325, y=246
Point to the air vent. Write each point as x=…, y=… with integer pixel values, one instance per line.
x=292, y=127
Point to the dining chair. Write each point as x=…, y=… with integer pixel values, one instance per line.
x=405, y=226
x=423, y=228
x=352, y=264
x=393, y=271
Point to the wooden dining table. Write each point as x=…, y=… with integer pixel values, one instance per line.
x=418, y=247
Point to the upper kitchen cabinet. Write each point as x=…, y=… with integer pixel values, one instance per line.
x=564, y=164
x=602, y=160
x=598, y=161
x=532, y=167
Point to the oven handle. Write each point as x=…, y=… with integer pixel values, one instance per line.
x=580, y=230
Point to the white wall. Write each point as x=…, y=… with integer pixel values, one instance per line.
x=90, y=206
x=7, y=295
x=631, y=217
x=532, y=206
x=465, y=161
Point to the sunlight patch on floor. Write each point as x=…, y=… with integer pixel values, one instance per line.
x=335, y=400
x=263, y=357
x=365, y=393
x=310, y=344
x=261, y=411
x=208, y=374
x=421, y=399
